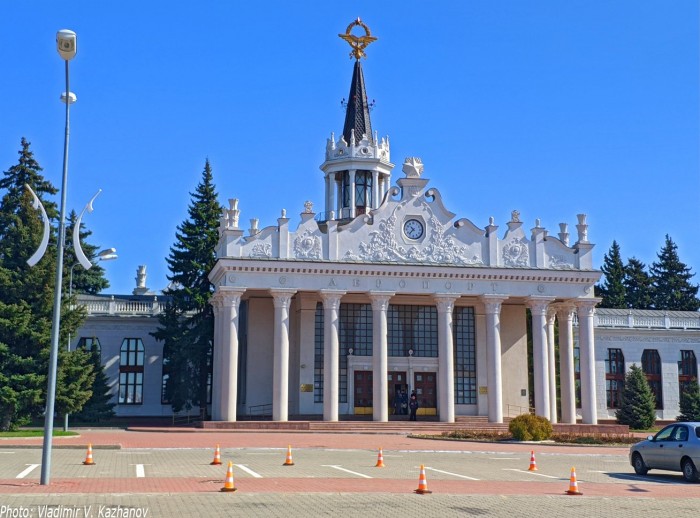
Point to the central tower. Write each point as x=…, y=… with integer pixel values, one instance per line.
x=357, y=169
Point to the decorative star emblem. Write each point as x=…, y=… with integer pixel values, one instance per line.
x=413, y=167
x=358, y=43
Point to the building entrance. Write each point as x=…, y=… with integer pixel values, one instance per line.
x=425, y=385
x=398, y=392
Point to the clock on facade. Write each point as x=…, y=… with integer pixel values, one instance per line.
x=413, y=229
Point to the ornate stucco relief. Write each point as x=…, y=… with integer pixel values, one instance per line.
x=439, y=248
x=307, y=246
x=261, y=250
x=559, y=263
x=516, y=253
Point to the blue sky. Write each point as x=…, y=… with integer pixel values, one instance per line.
x=548, y=107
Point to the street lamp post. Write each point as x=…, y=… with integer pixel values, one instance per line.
x=67, y=46
x=105, y=255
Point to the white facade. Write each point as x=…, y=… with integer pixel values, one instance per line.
x=632, y=332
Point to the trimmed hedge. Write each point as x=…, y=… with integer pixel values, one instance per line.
x=528, y=427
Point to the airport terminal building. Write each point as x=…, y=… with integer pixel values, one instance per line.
x=385, y=291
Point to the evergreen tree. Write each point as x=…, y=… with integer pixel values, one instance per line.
x=672, y=288
x=26, y=302
x=612, y=289
x=99, y=407
x=638, y=404
x=690, y=402
x=638, y=285
x=187, y=326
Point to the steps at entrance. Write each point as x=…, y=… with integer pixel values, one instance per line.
x=364, y=426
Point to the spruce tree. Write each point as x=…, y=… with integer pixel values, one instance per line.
x=690, y=402
x=672, y=289
x=612, y=289
x=638, y=285
x=638, y=404
x=187, y=326
x=99, y=407
x=26, y=303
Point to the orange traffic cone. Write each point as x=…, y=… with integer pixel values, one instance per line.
x=289, y=461
x=217, y=457
x=88, y=460
x=228, y=484
x=533, y=464
x=573, y=485
x=380, y=460
x=422, y=483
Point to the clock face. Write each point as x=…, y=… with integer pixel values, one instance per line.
x=413, y=229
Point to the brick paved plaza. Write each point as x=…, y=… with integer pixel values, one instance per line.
x=168, y=473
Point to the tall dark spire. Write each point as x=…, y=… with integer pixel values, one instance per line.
x=357, y=111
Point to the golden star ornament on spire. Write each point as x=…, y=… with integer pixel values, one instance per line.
x=358, y=43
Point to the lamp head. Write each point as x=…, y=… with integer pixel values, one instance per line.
x=67, y=44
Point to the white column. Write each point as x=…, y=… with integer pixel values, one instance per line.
x=565, y=315
x=339, y=196
x=494, y=382
x=380, y=358
x=281, y=299
x=231, y=299
x=540, y=360
x=551, y=362
x=351, y=173
x=331, y=346
x=586, y=310
x=375, y=189
x=446, y=375
x=216, y=361
x=217, y=351
x=332, y=187
x=329, y=205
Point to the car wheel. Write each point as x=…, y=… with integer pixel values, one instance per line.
x=690, y=472
x=638, y=463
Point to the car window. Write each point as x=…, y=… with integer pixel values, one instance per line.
x=681, y=433
x=665, y=434
x=697, y=432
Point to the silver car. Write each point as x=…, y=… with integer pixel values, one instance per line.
x=675, y=448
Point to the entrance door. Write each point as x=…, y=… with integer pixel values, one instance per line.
x=398, y=393
x=363, y=392
x=425, y=386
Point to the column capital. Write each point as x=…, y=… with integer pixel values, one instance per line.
x=538, y=305
x=492, y=303
x=586, y=307
x=380, y=299
x=445, y=302
x=331, y=298
x=281, y=297
x=565, y=310
x=227, y=296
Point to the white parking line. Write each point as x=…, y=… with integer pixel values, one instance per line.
x=532, y=473
x=140, y=472
x=248, y=470
x=347, y=470
x=449, y=473
x=28, y=470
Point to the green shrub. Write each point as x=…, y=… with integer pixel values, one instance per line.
x=528, y=427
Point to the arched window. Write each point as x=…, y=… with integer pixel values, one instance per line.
x=614, y=377
x=651, y=365
x=131, y=356
x=687, y=370
x=363, y=190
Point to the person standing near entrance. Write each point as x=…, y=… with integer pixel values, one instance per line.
x=413, y=407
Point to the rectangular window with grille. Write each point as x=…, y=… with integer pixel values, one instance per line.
x=464, y=355
x=318, y=353
x=412, y=328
